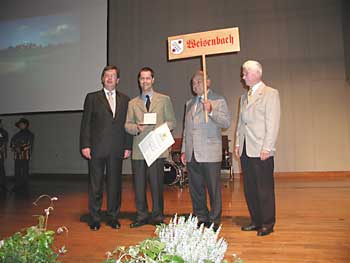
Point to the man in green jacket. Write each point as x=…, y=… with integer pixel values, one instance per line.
x=148, y=101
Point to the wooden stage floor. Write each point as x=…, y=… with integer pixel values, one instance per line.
x=313, y=219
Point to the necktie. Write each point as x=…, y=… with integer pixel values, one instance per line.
x=111, y=102
x=250, y=94
x=197, y=106
x=148, y=102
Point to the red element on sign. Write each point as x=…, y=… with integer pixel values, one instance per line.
x=216, y=41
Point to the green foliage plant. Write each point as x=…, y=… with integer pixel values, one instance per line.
x=35, y=243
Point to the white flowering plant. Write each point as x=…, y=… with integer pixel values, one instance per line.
x=181, y=241
x=35, y=243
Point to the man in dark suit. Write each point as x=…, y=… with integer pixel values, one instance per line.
x=256, y=136
x=104, y=142
x=148, y=102
x=202, y=150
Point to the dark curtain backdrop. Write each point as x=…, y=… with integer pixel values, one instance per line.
x=299, y=43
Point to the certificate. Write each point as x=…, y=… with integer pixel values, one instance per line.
x=150, y=118
x=155, y=143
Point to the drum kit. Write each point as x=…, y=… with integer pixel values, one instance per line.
x=174, y=171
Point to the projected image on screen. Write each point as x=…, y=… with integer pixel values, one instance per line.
x=25, y=44
x=51, y=54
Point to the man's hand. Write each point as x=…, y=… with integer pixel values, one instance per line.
x=141, y=127
x=86, y=152
x=207, y=106
x=183, y=158
x=127, y=154
x=237, y=152
x=264, y=154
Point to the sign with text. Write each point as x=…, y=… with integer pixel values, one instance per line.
x=203, y=43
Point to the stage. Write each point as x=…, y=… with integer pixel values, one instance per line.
x=313, y=218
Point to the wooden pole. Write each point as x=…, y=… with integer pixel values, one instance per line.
x=205, y=84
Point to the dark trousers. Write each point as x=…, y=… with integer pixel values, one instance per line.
x=2, y=173
x=156, y=178
x=97, y=167
x=202, y=177
x=259, y=189
x=21, y=173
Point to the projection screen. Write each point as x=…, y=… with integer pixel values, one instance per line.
x=51, y=53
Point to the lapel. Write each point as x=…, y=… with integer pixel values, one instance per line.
x=258, y=94
x=141, y=104
x=103, y=99
x=200, y=110
x=117, y=104
x=154, y=101
x=190, y=105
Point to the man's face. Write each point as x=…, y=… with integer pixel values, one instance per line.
x=110, y=79
x=22, y=126
x=250, y=77
x=146, y=81
x=198, y=84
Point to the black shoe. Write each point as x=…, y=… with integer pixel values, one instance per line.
x=216, y=227
x=138, y=223
x=114, y=223
x=249, y=228
x=94, y=226
x=206, y=224
x=157, y=222
x=264, y=231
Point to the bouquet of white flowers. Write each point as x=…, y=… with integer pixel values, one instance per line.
x=180, y=241
x=195, y=245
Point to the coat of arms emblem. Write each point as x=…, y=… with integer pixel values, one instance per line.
x=177, y=46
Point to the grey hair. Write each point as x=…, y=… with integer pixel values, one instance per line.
x=252, y=65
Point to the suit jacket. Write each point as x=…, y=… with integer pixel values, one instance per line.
x=204, y=139
x=258, y=121
x=101, y=132
x=160, y=104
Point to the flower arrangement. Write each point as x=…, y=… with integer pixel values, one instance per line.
x=181, y=241
x=35, y=243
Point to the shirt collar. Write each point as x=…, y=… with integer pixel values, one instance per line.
x=202, y=96
x=256, y=86
x=107, y=91
x=150, y=94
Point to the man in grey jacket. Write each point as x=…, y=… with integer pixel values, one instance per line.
x=202, y=149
